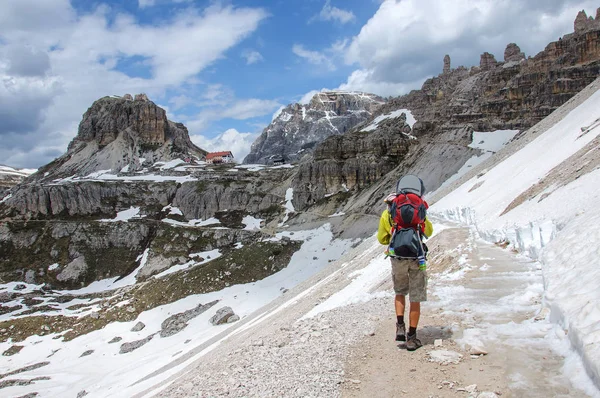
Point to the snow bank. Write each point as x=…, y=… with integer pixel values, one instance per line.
x=558, y=226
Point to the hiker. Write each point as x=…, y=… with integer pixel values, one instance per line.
x=402, y=218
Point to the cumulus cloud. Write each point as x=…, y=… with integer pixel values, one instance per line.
x=252, y=56
x=405, y=41
x=54, y=62
x=231, y=140
x=313, y=57
x=330, y=13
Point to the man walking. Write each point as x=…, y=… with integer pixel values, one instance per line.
x=408, y=276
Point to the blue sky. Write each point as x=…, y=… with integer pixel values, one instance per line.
x=224, y=67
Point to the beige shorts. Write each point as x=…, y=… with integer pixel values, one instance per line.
x=409, y=279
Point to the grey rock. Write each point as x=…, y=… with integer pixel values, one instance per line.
x=82, y=394
x=233, y=318
x=86, y=353
x=74, y=270
x=141, y=97
x=447, y=65
x=128, y=97
x=20, y=286
x=222, y=316
x=134, y=345
x=176, y=323
x=115, y=340
x=7, y=296
x=487, y=62
x=138, y=326
x=487, y=394
x=513, y=53
x=30, y=276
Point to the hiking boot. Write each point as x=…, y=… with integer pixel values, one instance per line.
x=400, y=332
x=412, y=342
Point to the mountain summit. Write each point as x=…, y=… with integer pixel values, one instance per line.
x=298, y=128
x=123, y=134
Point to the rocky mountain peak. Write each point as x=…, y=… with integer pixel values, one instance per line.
x=583, y=23
x=298, y=128
x=118, y=132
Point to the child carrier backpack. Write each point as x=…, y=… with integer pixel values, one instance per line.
x=408, y=211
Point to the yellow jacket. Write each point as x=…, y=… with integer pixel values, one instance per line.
x=384, y=232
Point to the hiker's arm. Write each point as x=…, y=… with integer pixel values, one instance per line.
x=428, y=228
x=384, y=230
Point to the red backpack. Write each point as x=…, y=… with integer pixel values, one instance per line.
x=409, y=211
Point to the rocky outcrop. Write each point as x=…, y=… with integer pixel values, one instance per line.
x=299, y=128
x=446, y=68
x=513, y=53
x=118, y=132
x=487, y=62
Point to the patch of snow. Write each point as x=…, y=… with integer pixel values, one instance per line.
x=4, y=199
x=338, y=214
x=125, y=169
x=410, y=119
x=251, y=167
x=289, y=207
x=125, y=215
x=206, y=257
x=172, y=210
x=53, y=267
x=251, y=223
x=173, y=163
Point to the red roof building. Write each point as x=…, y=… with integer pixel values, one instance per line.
x=219, y=157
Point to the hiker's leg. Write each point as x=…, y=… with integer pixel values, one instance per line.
x=415, y=314
x=400, y=304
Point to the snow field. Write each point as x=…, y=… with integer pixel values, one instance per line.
x=107, y=373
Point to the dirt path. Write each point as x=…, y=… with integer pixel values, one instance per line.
x=492, y=307
x=481, y=296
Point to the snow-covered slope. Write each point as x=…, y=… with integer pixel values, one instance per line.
x=543, y=200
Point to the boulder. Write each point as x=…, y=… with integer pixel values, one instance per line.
x=513, y=53
x=176, y=323
x=222, y=316
x=134, y=345
x=138, y=326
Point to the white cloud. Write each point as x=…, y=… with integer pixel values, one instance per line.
x=55, y=62
x=252, y=56
x=330, y=13
x=362, y=80
x=231, y=140
x=405, y=41
x=247, y=109
x=313, y=57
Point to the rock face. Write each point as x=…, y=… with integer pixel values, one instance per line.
x=299, y=128
x=351, y=161
x=116, y=132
